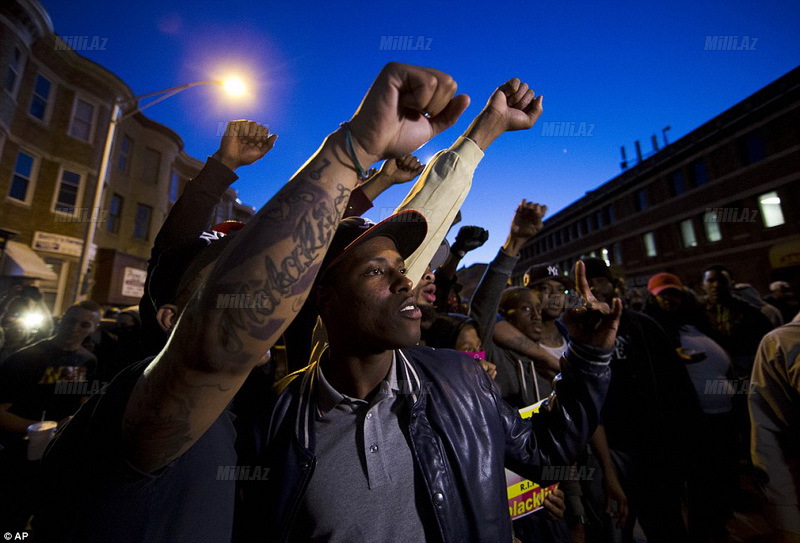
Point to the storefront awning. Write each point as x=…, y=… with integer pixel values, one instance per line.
x=20, y=261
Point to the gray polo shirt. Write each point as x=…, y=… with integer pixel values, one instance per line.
x=363, y=487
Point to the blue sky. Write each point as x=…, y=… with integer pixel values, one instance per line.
x=628, y=69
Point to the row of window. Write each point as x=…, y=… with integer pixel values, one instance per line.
x=151, y=163
x=770, y=213
x=588, y=224
x=69, y=193
x=141, y=222
x=750, y=148
x=83, y=117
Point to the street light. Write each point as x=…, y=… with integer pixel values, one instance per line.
x=232, y=85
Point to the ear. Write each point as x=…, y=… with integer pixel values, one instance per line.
x=166, y=316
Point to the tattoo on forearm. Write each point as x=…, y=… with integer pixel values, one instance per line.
x=315, y=174
x=303, y=215
x=161, y=425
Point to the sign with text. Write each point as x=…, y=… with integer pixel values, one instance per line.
x=56, y=243
x=525, y=496
x=133, y=282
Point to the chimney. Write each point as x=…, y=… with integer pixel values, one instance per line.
x=624, y=163
x=654, y=139
x=638, y=152
x=664, y=134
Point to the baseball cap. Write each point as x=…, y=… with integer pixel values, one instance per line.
x=779, y=285
x=596, y=268
x=663, y=281
x=543, y=272
x=227, y=227
x=407, y=229
x=176, y=264
x=440, y=256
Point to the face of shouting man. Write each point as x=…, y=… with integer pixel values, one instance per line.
x=369, y=307
x=425, y=295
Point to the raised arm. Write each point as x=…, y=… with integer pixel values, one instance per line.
x=526, y=223
x=394, y=171
x=567, y=420
x=445, y=183
x=243, y=143
x=468, y=239
x=272, y=263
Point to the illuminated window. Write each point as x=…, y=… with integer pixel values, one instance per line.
x=687, y=233
x=771, y=212
x=650, y=244
x=711, y=224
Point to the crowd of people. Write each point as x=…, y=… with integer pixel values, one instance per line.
x=314, y=376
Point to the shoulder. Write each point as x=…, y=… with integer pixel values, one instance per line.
x=434, y=356
x=22, y=359
x=442, y=364
x=786, y=336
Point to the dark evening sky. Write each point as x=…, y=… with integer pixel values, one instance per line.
x=625, y=70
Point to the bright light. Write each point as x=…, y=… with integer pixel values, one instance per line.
x=773, y=200
x=32, y=320
x=233, y=86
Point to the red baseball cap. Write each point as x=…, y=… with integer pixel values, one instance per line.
x=663, y=281
x=407, y=229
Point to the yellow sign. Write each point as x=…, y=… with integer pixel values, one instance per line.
x=525, y=496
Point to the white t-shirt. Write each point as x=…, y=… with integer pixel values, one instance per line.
x=555, y=351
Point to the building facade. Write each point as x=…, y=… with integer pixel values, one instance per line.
x=727, y=193
x=55, y=109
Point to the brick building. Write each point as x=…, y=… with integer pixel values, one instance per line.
x=728, y=193
x=55, y=108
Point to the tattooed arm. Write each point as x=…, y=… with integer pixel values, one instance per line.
x=270, y=266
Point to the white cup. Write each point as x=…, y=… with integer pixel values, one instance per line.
x=39, y=435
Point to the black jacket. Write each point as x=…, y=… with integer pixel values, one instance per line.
x=462, y=436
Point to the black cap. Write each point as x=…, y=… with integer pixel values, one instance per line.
x=543, y=272
x=169, y=274
x=407, y=229
x=596, y=267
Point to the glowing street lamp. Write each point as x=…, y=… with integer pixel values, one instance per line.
x=232, y=85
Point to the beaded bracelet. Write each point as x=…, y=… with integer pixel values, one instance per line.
x=363, y=174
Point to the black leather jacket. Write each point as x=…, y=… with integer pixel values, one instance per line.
x=462, y=435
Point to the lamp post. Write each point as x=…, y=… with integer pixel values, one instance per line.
x=233, y=86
